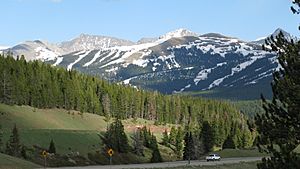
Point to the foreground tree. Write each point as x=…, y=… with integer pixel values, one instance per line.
x=179, y=142
x=115, y=137
x=13, y=146
x=279, y=126
x=52, y=148
x=156, y=157
x=189, y=147
x=207, y=137
x=229, y=143
x=138, y=141
x=165, y=138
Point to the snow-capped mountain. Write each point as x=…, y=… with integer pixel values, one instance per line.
x=183, y=62
x=178, y=33
x=146, y=40
x=42, y=50
x=91, y=42
x=36, y=50
x=287, y=35
x=180, y=61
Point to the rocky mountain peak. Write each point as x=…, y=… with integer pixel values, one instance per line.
x=92, y=42
x=178, y=33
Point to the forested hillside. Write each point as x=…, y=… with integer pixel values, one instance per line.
x=40, y=85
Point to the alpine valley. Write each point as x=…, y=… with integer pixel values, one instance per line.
x=181, y=61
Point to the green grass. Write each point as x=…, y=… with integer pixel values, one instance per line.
x=71, y=131
x=228, y=153
x=9, y=162
x=66, y=141
x=31, y=118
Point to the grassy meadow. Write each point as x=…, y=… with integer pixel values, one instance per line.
x=9, y=162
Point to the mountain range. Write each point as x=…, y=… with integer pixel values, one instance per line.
x=181, y=61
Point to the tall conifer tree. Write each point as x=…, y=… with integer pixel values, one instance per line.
x=13, y=146
x=279, y=126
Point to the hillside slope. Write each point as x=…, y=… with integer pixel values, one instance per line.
x=71, y=131
x=9, y=162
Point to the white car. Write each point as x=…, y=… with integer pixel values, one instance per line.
x=213, y=157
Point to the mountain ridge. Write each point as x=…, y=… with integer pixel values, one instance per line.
x=178, y=62
x=94, y=42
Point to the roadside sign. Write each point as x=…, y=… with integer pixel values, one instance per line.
x=44, y=153
x=110, y=152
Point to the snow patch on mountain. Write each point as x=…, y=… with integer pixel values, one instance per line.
x=93, y=42
x=203, y=74
x=77, y=60
x=218, y=45
x=178, y=34
x=45, y=54
x=113, y=69
x=111, y=53
x=97, y=55
x=261, y=38
x=260, y=76
x=235, y=70
x=127, y=81
x=181, y=90
x=286, y=35
x=170, y=61
x=146, y=40
x=130, y=50
x=4, y=47
x=58, y=61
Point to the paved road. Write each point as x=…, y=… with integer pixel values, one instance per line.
x=169, y=164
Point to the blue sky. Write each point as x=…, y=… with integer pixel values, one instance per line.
x=59, y=20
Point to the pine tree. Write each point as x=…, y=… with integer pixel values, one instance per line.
x=172, y=137
x=6, y=88
x=156, y=156
x=199, y=145
x=146, y=134
x=115, y=137
x=13, y=146
x=207, y=136
x=165, y=139
x=138, y=148
x=229, y=143
x=52, y=148
x=106, y=106
x=23, y=152
x=178, y=142
x=279, y=126
x=189, y=147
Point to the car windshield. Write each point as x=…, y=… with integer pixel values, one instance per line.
x=211, y=155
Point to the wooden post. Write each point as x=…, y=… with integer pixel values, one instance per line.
x=45, y=161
